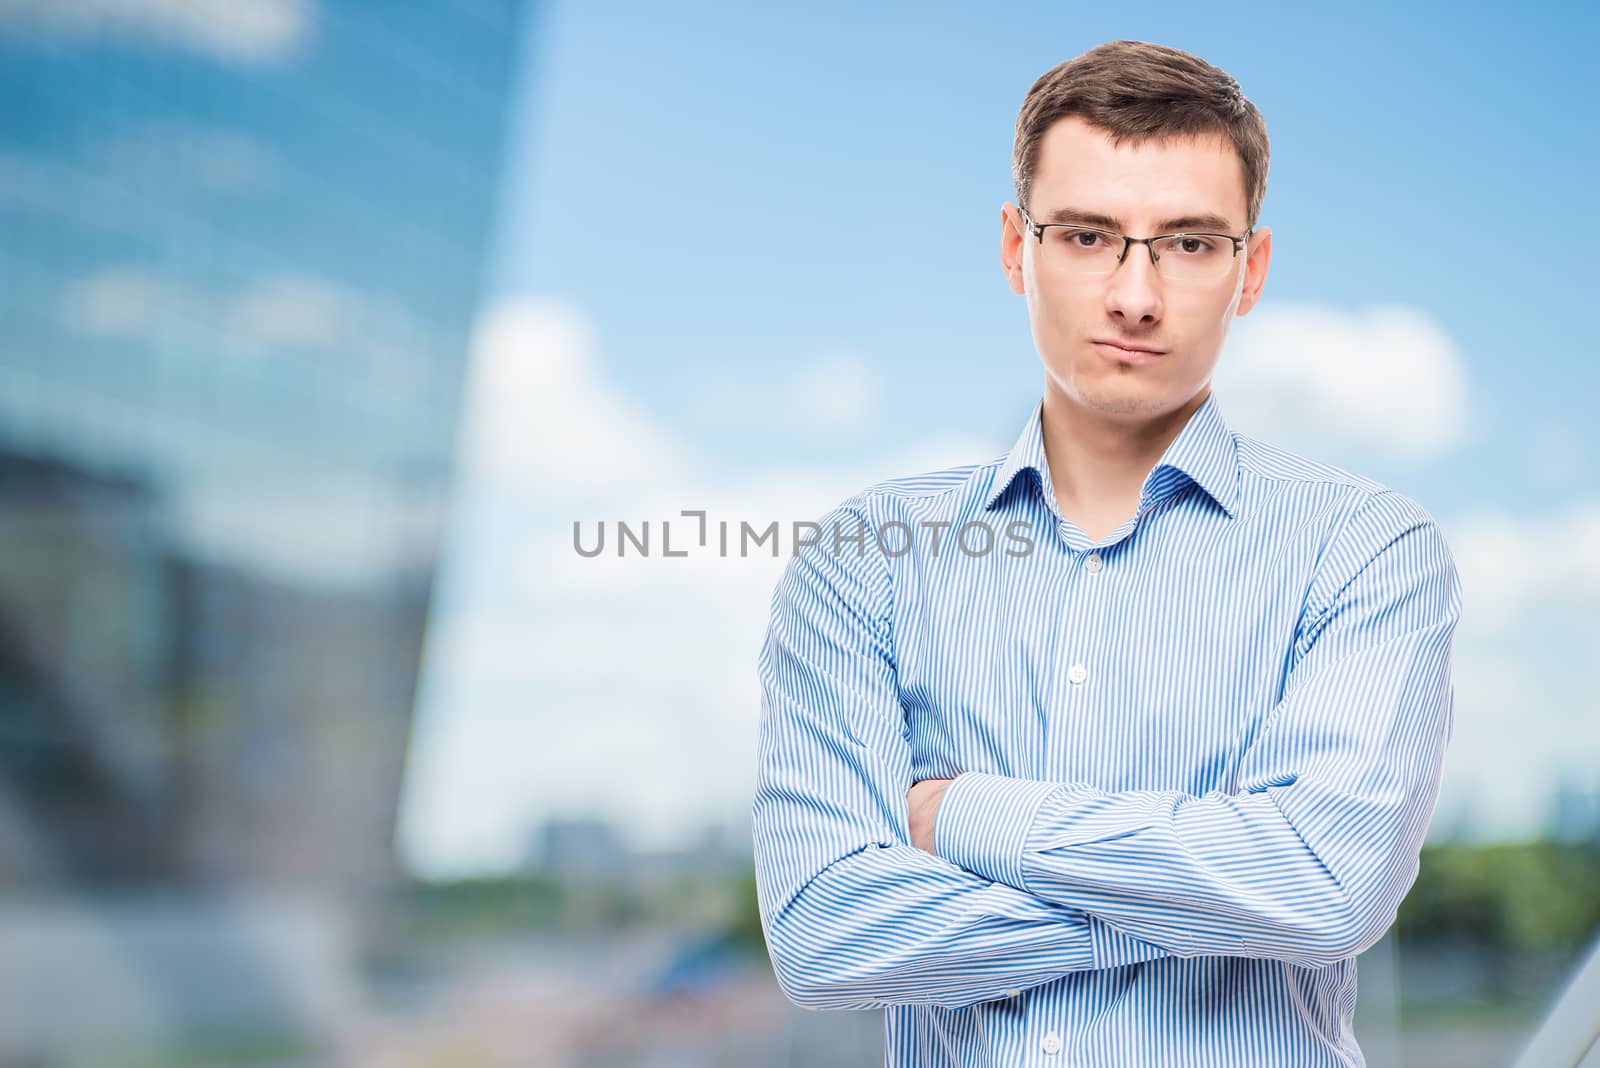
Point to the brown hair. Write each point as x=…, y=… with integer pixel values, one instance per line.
x=1142, y=91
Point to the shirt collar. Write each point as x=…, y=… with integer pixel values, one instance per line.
x=1204, y=452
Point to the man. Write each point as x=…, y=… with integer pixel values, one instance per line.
x=1131, y=764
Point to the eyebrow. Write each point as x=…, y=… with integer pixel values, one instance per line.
x=1205, y=221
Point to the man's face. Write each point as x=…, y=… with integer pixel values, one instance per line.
x=1139, y=187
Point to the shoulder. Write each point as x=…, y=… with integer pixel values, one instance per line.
x=923, y=495
x=850, y=547
x=925, y=490
x=1353, y=521
x=1349, y=503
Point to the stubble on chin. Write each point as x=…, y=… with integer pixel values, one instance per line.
x=1115, y=395
x=1122, y=402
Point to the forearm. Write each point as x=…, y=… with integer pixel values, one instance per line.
x=1220, y=874
x=890, y=924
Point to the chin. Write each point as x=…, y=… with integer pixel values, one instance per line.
x=1129, y=404
x=1130, y=393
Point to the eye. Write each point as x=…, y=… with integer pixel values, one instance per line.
x=1190, y=245
x=1086, y=239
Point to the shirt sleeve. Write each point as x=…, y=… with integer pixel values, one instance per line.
x=1308, y=858
x=854, y=915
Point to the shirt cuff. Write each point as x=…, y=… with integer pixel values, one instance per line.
x=983, y=820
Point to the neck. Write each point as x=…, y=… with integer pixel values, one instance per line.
x=1099, y=462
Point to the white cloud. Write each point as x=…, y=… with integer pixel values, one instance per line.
x=1525, y=711
x=359, y=337
x=1522, y=725
x=349, y=533
x=539, y=413
x=211, y=158
x=1384, y=382
x=834, y=392
x=296, y=311
x=1511, y=566
x=837, y=392
x=146, y=174
x=241, y=31
x=122, y=302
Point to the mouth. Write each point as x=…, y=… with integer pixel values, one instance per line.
x=1126, y=353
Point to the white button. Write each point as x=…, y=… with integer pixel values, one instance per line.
x=1012, y=993
x=1051, y=1043
x=1077, y=673
x=1092, y=562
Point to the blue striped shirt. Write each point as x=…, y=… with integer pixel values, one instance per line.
x=1193, y=762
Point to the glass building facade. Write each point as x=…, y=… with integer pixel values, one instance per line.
x=241, y=250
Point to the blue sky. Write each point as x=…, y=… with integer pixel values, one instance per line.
x=746, y=261
x=750, y=258
x=657, y=142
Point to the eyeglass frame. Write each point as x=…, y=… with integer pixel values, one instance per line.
x=1038, y=229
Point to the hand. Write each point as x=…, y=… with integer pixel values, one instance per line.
x=922, y=805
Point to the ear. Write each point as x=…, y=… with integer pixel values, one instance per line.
x=1012, y=232
x=1255, y=271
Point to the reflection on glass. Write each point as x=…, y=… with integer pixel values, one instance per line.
x=242, y=246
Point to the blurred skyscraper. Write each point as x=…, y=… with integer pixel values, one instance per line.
x=241, y=248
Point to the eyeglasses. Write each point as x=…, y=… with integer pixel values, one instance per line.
x=1087, y=250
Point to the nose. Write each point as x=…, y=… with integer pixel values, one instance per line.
x=1134, y=292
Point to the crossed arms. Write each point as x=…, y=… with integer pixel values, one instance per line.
x=1033, y=880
